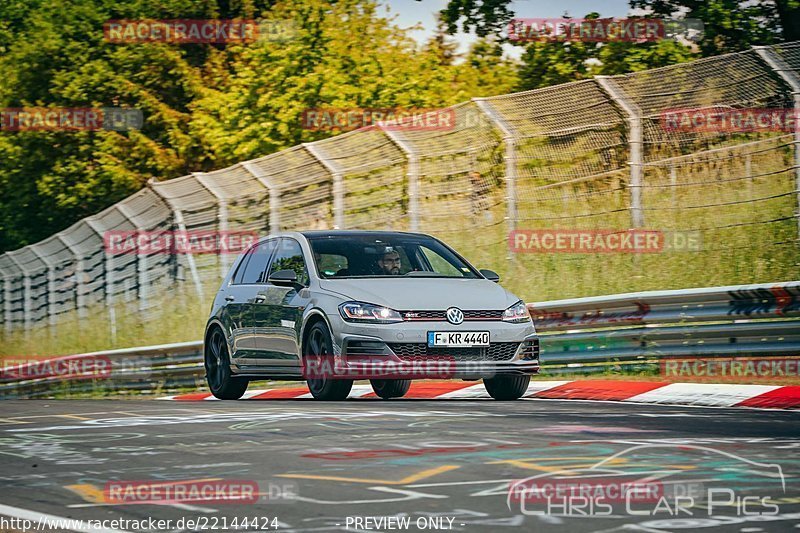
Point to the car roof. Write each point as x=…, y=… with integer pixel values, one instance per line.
x=316, y=234
x=357, y=233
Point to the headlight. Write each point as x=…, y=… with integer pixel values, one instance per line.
x=374, y=314
x=517, y=313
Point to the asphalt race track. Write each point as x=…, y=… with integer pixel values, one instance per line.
x=442, y=465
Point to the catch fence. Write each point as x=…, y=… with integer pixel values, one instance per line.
x=592, y=155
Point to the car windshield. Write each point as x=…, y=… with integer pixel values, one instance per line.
x=391, y=255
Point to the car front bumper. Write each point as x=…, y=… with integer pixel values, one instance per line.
x=399, y=351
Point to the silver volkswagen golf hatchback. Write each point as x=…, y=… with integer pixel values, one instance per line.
x=331, y=307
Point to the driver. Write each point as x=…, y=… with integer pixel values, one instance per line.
x=389, y=262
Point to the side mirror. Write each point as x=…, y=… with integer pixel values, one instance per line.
x=284, y=278
x=491, y=275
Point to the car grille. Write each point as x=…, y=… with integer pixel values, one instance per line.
x=418, y=351
x=530, y=350
x=433, y=316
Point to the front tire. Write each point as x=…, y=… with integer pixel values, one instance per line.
x=223, y=384
x=507, y=387
x=318, y=343
x=390, y=388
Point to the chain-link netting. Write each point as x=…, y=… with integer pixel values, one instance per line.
x=459, y=175
x=302, y=186
x=196, y=210
x=790, y=53
x=591, y=156
x=61, y=279
x=34, y=283
x=372, y=169
x=14, y=293
x=150, y=214
x=724, y=197
x=89, y=250
x=569, y=166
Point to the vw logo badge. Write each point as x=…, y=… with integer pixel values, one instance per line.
x=455, y=315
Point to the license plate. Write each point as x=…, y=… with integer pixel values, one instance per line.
x=458, y=338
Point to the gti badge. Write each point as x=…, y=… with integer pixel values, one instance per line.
x=455, y=315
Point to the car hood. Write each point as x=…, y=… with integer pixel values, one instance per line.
x=405, y=294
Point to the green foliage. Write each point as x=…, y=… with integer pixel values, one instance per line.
x=205, y=106
x=729, y=26
x=732, y=25
x=546, y=64
x=344, y=56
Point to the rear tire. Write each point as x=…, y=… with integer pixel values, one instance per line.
x=507, y=387
x=390, y=388
x=318, y=342
x=221, y=381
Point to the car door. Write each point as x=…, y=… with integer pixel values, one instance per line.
x=278, y=310
x=239, y=300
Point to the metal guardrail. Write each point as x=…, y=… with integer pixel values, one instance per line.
x=737, y=302
x=631, y=331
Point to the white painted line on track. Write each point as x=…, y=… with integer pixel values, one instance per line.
x=705, y=394
x=540, y=386
x=473, y=391
x=359, y=391
x=47, y=522
x=249, y=394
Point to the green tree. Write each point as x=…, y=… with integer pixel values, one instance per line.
x=344, y=56
x=545, y=64
x=54, y=55
x=205, y=106
x=732, y=25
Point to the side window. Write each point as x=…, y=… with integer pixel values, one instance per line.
x=290, y=257
x=237, y=277
x=257, y=263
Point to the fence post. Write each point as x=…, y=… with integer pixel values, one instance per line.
x=141, y=260
x=633, y=116
x=177, y=214
x=222, y=215
x=26, y=294
x=108, y=285
x=412, y=175
x=51, y=286
x=80, y=289
x=7, y=302
x=274, y=195
x=177, y=217
x=509, y=140
x=338, y=184
x=787, y=74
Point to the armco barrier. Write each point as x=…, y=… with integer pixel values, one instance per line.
x=738, y=302
x=578, y=335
